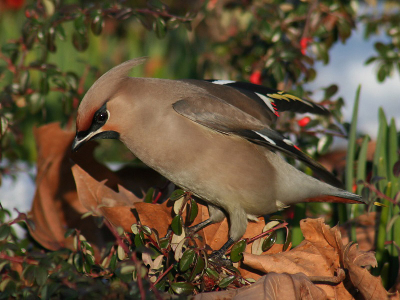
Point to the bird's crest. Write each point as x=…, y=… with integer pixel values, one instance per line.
x=102, y=90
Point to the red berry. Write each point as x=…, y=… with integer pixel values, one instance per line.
x=303, y=122
x=255, y=77
x=304, y=43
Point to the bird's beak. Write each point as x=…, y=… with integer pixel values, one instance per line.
x=82, y=138
x=77, y=143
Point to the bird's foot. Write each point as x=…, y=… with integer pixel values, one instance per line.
x=217, y=258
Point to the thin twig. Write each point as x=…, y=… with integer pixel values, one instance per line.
x=161, y=276
x=379, y=193
x=284, y=224
x=18, y=259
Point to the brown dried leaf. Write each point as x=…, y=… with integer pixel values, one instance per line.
x=56, y=206
x=321, y=254
x=315, y=256
x=217, y=234
x=272, y=286
x=157, y=216
x=103, y=201
x=370, y=287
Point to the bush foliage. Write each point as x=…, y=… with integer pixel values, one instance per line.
x=52, y=51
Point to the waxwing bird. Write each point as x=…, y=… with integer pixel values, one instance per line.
x=212, y=138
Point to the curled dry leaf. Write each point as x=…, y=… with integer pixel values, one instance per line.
x=101, y=200
x=370, y=287
x=322, y=254
x=216, y=235
x=157, y=216
x=272, y=286
x=56, y=206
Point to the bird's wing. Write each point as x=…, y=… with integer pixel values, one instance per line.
x=276, y=101
x=221, y=116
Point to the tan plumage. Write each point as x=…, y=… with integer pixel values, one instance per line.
x=211, y=139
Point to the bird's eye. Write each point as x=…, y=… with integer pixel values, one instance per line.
x=102, y=117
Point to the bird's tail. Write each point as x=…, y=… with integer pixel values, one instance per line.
x=338, y=196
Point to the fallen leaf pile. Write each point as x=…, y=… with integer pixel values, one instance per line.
x=72, y=185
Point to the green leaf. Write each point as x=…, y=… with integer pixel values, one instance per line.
x=97, y=24
x=60, y=32
x=212, y=273
x=146, y=20
x=29, y=33
x=3, y=264
x=187, y=259
x=138, y=240
x=113, y=262
x=29, y=273
x=226, y=281
x=128, y=269
x=146, y=230
x=50, y=40
x=173, y=23
x=5, y=231
x=177, y=194
x=330, y=91
x=69, y=232
x=135, y=229
x=381, y=74
x=24, y=81
x=370, y=60
x=362, y=163
x=40, y=274
x=89, y=262
x=198, y=268
x=79, y=24
x=182, y=288
x=121, y=253
x=324, y=143
x=269, y=241
x=157, y=4
x=80, y=41
x=164, y=242
x=176, y=224
x=149, y=196
x=72, y=80
x=381, y=48
x=194, y=209
x=237, y=250
x=78, y=262
x=160, y=28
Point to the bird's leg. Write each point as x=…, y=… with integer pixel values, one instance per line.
x=216, y=215
x=216, y=256
x=193, y=229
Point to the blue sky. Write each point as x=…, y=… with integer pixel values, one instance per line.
x=347, y=69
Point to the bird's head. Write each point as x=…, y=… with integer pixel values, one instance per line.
x=95, y=119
